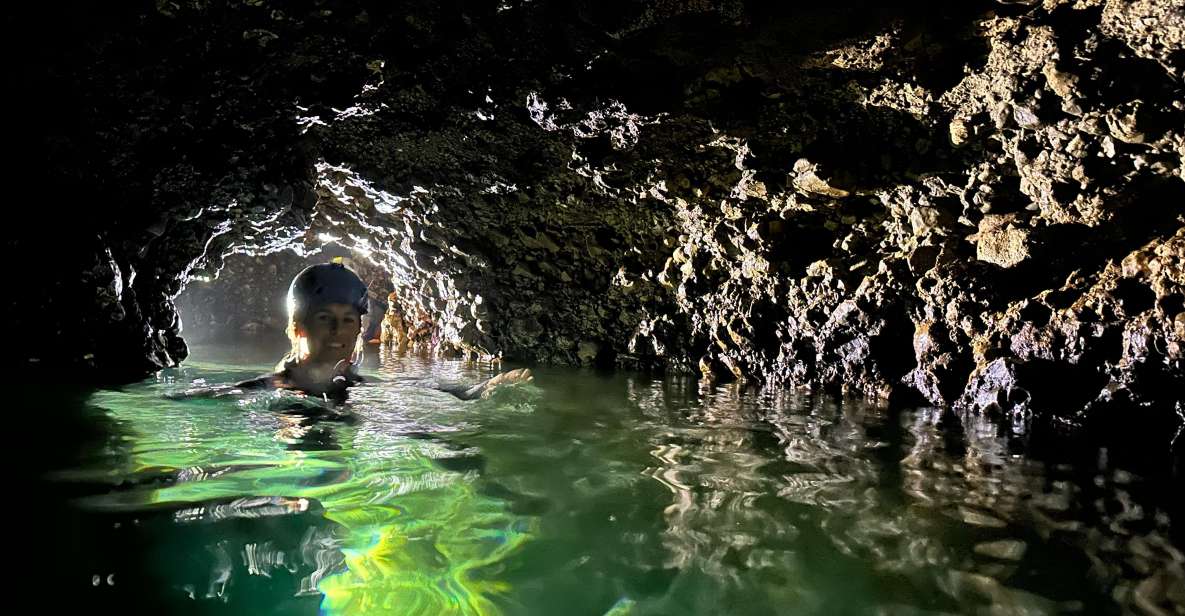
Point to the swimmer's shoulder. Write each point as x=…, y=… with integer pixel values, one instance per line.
x=219, y=391
x=271, y=380
x=264, y=381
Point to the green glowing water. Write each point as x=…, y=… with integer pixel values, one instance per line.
x=591, y=494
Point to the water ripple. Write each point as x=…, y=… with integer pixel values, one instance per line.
x=619, y=495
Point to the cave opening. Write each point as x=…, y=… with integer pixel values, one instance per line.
x=387, y=240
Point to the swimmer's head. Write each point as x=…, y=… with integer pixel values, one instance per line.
x=322, y=284
x=325, y=307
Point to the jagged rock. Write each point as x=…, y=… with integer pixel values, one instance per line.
x=562, y=184
x=806, y=179
x=1004, y=549
x=1001, y=243
x=1154, y=30
x=1062, y=84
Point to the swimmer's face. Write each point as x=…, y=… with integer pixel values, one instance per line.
x=332, y=331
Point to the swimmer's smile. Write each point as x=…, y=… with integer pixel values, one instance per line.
x=332, y=332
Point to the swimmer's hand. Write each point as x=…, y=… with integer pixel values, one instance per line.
x=522, y=375
x=341, y=377
x=341, y=371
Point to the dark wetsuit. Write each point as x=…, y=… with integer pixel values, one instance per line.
x=341, y=383
x=336, y=392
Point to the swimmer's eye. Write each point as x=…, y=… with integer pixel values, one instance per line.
x=326, y=318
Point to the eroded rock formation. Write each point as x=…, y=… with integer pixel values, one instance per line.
x=978, y=205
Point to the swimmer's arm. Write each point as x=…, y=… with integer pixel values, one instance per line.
x=215, y=391
x=461, y=391
x=266, y=381
x=466, y=392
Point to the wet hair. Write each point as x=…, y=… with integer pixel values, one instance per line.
x=314, y=287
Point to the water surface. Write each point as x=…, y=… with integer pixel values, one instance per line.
x=589, y=493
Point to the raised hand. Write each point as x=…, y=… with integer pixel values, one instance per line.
x=521, y=375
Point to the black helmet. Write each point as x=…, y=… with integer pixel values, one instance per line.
x=325, y=283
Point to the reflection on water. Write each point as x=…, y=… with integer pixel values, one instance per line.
x=592, y=494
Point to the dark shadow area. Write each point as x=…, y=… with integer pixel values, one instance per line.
x=1057, y=250
x=747, y=79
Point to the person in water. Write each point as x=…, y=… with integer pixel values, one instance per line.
x=326, y=303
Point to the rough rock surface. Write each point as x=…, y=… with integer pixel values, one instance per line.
x=979, y=205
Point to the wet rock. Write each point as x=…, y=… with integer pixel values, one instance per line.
x=976, y=518
x=1162, y=592
x=1123, y=123
x=926, y=220
x=588, y=352
x=958, y=131
x=1000, y=242
x=1001, y=599
x=806, y=179
x=1154, y=30
x=1005, y=549
x=1025, y=116
x=1062, y=84
x=995, y=386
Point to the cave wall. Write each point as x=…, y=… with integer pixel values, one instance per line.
x=969, y=205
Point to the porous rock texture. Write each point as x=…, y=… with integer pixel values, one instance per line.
x=968, y=203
